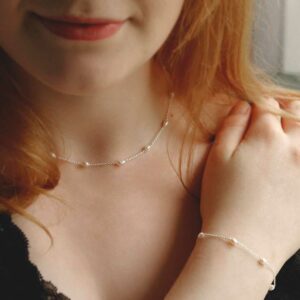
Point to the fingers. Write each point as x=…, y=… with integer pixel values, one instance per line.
x=232, y=129
x=264, y=124
x=289, y=126
x=246, y=122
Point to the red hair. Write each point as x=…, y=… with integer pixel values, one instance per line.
x=208, y=53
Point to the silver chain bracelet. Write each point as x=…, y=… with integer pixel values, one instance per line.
x=234, y=242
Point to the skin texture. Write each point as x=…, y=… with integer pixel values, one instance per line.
x=267, y=152
x=94, y=82
x=106, y=100
x=250, y=191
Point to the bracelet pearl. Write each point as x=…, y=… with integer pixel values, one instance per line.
x=234, y=242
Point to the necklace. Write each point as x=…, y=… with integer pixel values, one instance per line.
x=121, y=162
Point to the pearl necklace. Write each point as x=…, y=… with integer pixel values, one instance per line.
x=121, y=162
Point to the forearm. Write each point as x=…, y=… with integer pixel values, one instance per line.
x=216, y=271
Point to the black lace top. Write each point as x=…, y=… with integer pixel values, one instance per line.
x=20, y=279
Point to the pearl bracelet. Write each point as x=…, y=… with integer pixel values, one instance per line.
x=234, y=242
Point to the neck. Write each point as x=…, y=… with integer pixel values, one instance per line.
x=114, y=123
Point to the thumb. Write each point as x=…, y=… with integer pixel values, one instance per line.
x=232, y=129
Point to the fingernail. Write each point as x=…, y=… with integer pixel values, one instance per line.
x=242, y=107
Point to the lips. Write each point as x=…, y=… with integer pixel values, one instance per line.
x=78, y=28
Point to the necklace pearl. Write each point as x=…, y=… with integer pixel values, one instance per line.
x=146, y=148
x=232, y=241
x=262, y=261
x=165, y=123
x=120, y=163
x=53, y=154
x=83, y=164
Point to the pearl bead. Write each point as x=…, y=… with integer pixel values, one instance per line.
x=165, y=123
x=262, y=261
x=120, y=162
x=201, y=235
x=146, y=148
x=83, y=164
x=233, y=241
x=272, y=287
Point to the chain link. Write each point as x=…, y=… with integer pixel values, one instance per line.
x=121, y=162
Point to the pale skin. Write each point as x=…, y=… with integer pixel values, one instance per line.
x=128, y=233
x=87, y=86
x=106, y=103
x=259, y=152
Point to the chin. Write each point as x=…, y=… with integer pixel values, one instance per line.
x=81, y=83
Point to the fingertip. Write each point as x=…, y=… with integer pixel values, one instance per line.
x=241, y=107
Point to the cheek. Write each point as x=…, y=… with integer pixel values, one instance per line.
x=70, y=66
x=159, y=17
x=80, y=68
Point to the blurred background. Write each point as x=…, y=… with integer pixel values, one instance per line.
x=277, y=40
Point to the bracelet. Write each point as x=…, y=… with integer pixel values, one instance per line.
x=234, y=242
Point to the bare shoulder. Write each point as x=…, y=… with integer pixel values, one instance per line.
x=213, y=112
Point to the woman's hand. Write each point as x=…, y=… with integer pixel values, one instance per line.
x=251, y=181
x=250, y=191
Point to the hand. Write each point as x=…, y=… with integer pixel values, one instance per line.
x=251, y=181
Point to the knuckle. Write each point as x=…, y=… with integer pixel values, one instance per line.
x=267, y=132
x=273, y=102
x=267, y=106
x=293, y=106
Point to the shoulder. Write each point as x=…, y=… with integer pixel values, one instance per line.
x=213, y=111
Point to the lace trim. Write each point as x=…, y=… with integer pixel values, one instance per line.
x=51, y=291
x=19, y=277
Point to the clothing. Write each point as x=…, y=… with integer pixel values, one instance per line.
x=20, y=279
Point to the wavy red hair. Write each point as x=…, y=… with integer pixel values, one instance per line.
x=208, y=53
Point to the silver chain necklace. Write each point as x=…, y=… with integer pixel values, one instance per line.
x=121, y=162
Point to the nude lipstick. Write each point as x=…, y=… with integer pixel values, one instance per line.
x=77, y=28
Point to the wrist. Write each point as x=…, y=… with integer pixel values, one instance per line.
x=216, y=271
x=252, y=238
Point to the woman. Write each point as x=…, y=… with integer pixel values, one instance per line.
x=105, y=115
